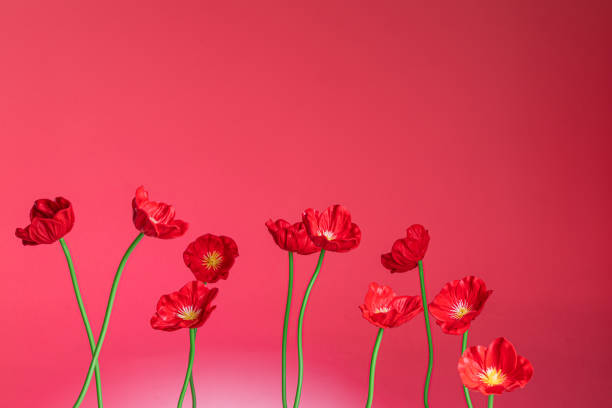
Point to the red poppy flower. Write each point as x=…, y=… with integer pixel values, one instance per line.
x=293, y=238
x=494, y=369
x=383, y=308
x=187, y=308
x=332, y=229
x=210, y=257
x=49, y=221
x=155, y=219
x=407, y=252
x=458, y=303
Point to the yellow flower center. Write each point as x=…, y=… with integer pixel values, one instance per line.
x=460, y=309
x=492, y=376
x=212, y=260
x=382, y=309
x=329, y=235
x=188, y=313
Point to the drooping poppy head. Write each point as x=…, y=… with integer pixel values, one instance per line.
x=188, y=308
x=458, y=303
x=50, y=220
x=332, y=229
x=407, y=252
x=292, y=238
x=384, y=309
x=155, y=219
x=210, y=257
x=494, y=369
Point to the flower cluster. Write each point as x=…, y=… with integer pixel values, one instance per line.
x=491, y=370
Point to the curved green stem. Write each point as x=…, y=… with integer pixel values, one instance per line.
x=109, y=308
x=191, y=385
x=90, y=337
x=429, y=342
x=373, y=367
x=298, y=391
x=189, y=366
x=465, y=389
x=490, y=404
x=286, y=328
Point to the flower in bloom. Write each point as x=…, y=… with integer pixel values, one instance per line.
x=187, y=308
x=494, y=369
x=383, y=308
x=210, y=257
x=293, y=238
x=332, y=229
x=155, y=219
x=50, y=220
x=407, y=252
x=458, y=303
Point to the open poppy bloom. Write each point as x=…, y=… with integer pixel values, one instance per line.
x=155, y=219
x=292, y=238
x=332, y=229
x=494, y=369
x=189, y=308
x=458, y=303
x=49, y=221
x=407, y=252
x=210, y=257
x=384, y=309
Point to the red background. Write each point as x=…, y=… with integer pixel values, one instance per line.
x=488, y=122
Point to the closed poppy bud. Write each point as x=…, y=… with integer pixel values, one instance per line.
x=187, y=308
x=155, y=219
x=494, y=369
x=293, y=238
x=458, y=303
x=332, y=229
x=384, y=309
x=210, y=257
x=407, y=252
x=49, y=221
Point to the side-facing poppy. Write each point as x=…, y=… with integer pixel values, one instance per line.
x=210, y=257
x=458, y=303
x=155, y=219
x=332, y=229
x=291, y=237
x=50, y=220
x=384, y=309
x=407, y=252
x=189, y=307
x=494, y=369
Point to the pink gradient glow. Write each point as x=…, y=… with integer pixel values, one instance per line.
x=487, y=122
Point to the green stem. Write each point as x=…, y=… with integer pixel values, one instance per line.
x=286, y=328
x=429, y=342
x=90, y=337
x=373, y=367
x=300, y=380
x=109, y=308
x=465, y=389
x=189, y=366
x=490, y=404
x=191, y=385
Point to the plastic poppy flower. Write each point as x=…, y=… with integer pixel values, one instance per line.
x=332, y=229
x=494, y=369
x=155, y=219
x=49, y=221
x=458, y=303
x=293, y=238
x=210, y=257
x=407, y=252
x=188, y=308
x=384, y=309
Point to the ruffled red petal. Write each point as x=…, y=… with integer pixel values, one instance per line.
x=155, y=219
